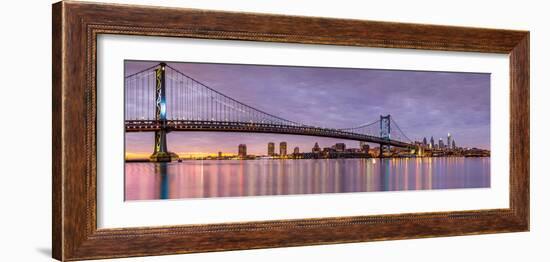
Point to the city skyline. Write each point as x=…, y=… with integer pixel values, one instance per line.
x=255, y=144
x=336, y=98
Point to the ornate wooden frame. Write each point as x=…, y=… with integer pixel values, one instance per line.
x=76, y=26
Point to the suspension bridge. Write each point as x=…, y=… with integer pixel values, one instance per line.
x=162, y=99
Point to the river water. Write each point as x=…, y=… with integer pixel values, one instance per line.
x=234, y=178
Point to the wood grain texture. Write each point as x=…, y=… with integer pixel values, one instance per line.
x=76, y=27
x=519, y=129
x=57, y=192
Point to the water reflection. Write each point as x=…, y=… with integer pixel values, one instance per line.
x=228, y=178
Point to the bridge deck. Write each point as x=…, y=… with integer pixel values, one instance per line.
x=222, y=126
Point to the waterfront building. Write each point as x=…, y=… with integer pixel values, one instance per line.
x=432, y=143
x=365, y=148
x=271, y=149
x=449, y=140
x=296, y=150
x=242, y=151
x=340, y=147
x=282, y=149
x=316, y=148
x=327, y=150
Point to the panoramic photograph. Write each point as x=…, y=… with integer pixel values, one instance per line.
x=205, y=130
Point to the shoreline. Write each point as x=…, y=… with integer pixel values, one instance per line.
x=259, y=158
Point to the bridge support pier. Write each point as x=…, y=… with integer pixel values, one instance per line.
x=385, y=130
x=161, y=153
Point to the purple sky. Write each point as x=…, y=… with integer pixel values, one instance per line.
x=424, y=104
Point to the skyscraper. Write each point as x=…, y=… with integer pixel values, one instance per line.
x=296, y=150
x=432, y=143
x=441, y=145
x=454, y=145
x=282, y=149
x=242, y=151
x=449, y=140
x=270, y=149
x=424, y=142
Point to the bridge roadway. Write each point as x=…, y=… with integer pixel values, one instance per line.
x=223, y=126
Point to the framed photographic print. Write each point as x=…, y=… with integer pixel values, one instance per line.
x=182, y=130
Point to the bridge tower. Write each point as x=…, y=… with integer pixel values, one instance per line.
x=385, y=130
x=161, y=153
